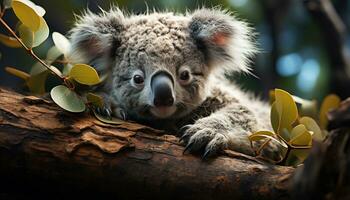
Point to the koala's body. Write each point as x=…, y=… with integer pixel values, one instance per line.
x=167, y=71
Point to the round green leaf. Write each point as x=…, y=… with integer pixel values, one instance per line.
x=84, y=74
x=61, y=42
x=9, y=41
x=67, y=99
x=27, y=35
x=312, y=126
x=300, y=136
x=40, y=10
x=42, y=33
x=26, y=14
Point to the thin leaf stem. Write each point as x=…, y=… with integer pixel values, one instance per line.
x=29, y=50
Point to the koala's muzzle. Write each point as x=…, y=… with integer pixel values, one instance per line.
x=162, y=85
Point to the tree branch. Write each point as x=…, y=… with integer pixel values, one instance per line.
x=45, y=150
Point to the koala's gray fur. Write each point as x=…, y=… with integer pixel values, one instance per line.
x=212, y=113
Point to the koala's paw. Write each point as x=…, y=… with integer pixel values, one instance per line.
x=201, y=137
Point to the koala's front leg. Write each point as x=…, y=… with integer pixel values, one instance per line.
x=227, y=128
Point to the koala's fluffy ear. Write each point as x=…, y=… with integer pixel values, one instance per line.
x=224, y=40
x=95, y=36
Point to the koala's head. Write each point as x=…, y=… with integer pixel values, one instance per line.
x=160, y=63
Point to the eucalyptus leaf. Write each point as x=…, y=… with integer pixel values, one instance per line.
x=36, y=83
x=286, y=108
x=94, y=99
x=18, y=73
x=330, y=102
x=26, y=14
x=84, y=74
x=300, y=136
x=61, y=42
x=312, y=126
x=42, y=33
x=67, y=99
x=9, y=41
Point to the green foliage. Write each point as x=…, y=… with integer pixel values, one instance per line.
x=294, y=131
x=33, y=31
x=67, y=99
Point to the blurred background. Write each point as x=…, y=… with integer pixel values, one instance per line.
x=303, y=43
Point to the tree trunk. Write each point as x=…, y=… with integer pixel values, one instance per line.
x=46, y=152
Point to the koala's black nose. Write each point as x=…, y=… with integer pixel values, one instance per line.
x=162, y=86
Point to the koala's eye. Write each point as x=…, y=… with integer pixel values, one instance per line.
x=138, y=79
x=185, y=76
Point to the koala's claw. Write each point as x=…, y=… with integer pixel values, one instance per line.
x=120, y=113
x=187, y=148
x=183, y=130
x=104, y=111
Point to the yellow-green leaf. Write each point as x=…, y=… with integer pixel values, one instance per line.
x=41, y=34
x=94, y=99
x=330, y=102
x=300, y=136
x=20, y=74
x=84, y=74
x=26, y=14
x=9, y=41
x=312, y=126
x=61, y=42
x=26, y=35
x=67, y=99
x=274, y=117
x=286, y=108
x=36, y=83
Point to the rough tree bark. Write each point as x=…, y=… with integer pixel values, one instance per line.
x=48, y=153
x=44, y=150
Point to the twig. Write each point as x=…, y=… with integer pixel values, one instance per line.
x=29, y=50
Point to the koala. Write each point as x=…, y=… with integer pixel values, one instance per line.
x=168, y=71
